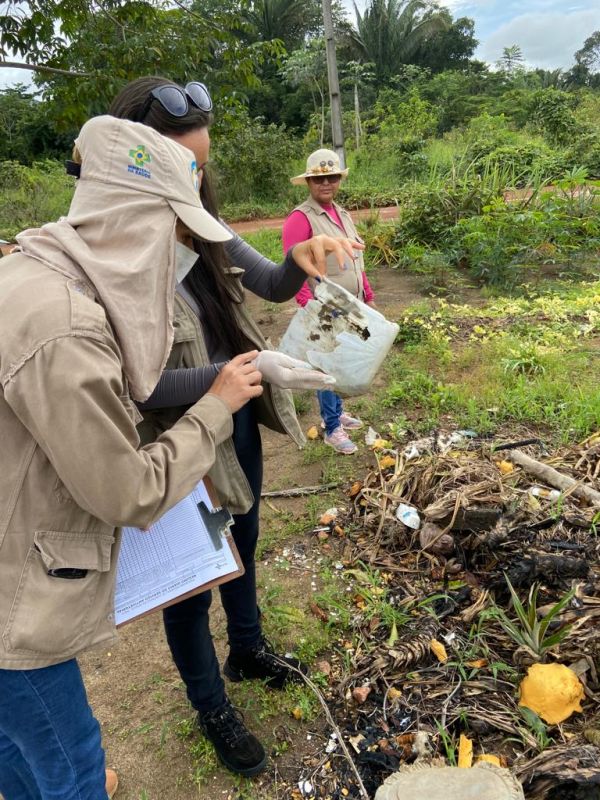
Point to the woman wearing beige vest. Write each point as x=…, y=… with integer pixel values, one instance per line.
x=320, y=214
x=212, y=325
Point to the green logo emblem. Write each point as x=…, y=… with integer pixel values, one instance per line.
x=140, y=156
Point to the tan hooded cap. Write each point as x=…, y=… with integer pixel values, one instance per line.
x=119, y=236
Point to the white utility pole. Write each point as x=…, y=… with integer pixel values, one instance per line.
x=334, y=85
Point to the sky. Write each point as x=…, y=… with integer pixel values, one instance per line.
x=547, y=31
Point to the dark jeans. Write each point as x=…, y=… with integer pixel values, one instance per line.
x=187, y=623
x=49, y=739
x=331, y=407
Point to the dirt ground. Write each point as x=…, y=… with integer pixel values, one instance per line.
x=135, y=690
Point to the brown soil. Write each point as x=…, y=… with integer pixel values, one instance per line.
x=250, y=226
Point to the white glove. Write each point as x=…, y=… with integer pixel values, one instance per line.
x=289, y=373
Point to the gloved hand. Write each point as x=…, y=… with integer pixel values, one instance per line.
x=289, y=373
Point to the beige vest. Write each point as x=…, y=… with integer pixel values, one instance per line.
x=351, y=277
x=274, y=409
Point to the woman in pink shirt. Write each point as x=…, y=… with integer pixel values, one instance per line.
x=319, y=213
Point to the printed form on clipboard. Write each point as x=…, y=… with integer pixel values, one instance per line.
x=188, y=550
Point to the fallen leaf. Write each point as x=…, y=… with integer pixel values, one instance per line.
x=322, y=536
x=438, y=649
x=394, y=695
x=381, y=444
x=360, y=694
x=505, y=467
x=478, y=664
x=327, y=517
x=339, y=531
x=297, y=713
x=355, y=488
x=465, y=752
x=318, y=612
x=491, y=759
x=312, y=433
x=355, y=741
x=387, y=461
x=433, y=539
x=324, y=667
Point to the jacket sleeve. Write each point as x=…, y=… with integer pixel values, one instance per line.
x=265, y=278
x=71, y=398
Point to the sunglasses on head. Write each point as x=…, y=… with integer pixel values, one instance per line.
x=176, y=101
x=323, y=178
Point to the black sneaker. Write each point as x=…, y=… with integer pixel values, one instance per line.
x=261, y=662
x=237, y=748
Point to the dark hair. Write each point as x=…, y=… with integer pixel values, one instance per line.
x=208, y=281
x=130, y=102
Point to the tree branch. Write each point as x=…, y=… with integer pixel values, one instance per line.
x=43, y=68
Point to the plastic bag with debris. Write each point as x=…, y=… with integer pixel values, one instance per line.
x=338, y=334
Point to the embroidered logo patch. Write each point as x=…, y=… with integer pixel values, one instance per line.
x=140, y=157
x=195, y=178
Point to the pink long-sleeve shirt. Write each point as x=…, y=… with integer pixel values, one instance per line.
x=297, y=229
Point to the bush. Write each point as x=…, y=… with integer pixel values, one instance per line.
x=32, y=196
x=552, y=112
x=527, y=162
x=254, y=162
x=428, y=212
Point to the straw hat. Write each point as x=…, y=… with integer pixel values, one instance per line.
x=321, y=162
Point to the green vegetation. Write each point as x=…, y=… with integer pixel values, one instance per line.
x=527, y=630
x=435, y=131
x=528, y=360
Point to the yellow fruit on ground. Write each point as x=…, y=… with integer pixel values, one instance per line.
x=552, y=691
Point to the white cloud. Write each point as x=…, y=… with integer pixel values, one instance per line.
x=546, y=40
x=11, y=77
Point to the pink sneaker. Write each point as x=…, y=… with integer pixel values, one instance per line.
x=350, y=423
x=340, y=442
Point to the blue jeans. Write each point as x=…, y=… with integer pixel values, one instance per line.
x=187, y=623
x=50, y=745
x=331, y=407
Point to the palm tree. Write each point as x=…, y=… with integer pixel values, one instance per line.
x=390, y=32
x=288, y=20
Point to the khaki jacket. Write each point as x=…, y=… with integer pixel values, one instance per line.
x=349, y=278
x=274, y=409
x=73, y=471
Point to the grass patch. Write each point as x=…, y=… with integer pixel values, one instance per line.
x=531, y=360
x=268, y=242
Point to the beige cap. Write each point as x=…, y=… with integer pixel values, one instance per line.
x=138, y=158
x=321, y=162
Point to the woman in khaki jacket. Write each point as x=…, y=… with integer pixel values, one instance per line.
x=86, y=326
x=212, y=326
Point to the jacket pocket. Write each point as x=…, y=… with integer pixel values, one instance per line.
x=55, y=616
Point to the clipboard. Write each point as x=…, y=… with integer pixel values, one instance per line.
x=140, y=557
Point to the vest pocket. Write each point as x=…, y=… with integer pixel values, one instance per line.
x=55, y=615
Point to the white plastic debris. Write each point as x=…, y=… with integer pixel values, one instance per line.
x=438, y=443
x=306, y=788
x=332, y=744
x=371, y=436
x=547, y=494
x=338, y=334
x=409, y=516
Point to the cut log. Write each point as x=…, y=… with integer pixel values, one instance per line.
x=555, y=478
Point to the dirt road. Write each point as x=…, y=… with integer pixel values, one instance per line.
x=389, y=212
